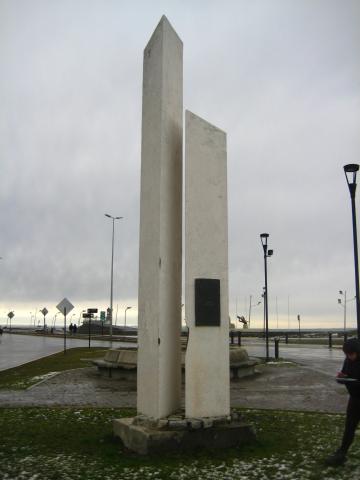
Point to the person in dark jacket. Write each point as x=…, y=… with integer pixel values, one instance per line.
x=351, y=370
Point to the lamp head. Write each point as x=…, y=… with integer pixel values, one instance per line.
x=107, y=215
x=351, y=168
x=264, y=238
x=350, y=174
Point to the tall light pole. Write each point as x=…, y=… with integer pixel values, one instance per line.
x=298, y=319
x=54, y=319
x=267, y=253
x=126, y=309
x=250, y=306
x=350, y=175
x=112, y=269
x=343, y=304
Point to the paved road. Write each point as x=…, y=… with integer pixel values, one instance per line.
x=317, y=357
x=18, y=349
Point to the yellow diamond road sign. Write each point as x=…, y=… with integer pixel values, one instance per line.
x=65, y=306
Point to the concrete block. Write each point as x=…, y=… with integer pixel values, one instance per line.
x=147, y=441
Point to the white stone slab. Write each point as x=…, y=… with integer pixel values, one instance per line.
x=207, y=380
x=159, y=367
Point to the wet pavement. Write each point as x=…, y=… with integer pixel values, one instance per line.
x=305, y=381
x=283, y=386
x=316, y=357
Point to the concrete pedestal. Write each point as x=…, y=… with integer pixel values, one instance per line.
x=150, y=437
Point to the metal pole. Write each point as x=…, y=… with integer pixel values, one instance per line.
x=288, y=312
x=65, y=330
x=356, y=261
x=345, y=313
x=266, y=309
x=277, y=348
x=250, y=309
x=112, y=275
x=89, y=319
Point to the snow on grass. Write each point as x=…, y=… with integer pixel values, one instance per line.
x=300, y=456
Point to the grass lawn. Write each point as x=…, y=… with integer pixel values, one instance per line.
x=32, y=372
x=77, y=443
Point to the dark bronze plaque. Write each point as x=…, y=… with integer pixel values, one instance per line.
x=207, y=302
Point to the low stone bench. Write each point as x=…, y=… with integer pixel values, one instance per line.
x=123, y=363
x=241, y=365
x=117, y=363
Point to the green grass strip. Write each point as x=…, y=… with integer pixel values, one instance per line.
x=32, y=372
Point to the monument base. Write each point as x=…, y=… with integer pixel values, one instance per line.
x=147, y=436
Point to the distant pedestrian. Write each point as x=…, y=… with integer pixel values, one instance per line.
x=351, y=371
x=71, y=328
x=74, y=328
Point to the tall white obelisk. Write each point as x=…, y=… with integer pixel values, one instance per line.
x=207, y=376
x=159, y=350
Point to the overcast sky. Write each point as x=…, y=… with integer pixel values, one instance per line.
x=281, y=77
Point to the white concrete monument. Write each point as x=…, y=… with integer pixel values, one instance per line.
x=207, y=383
x=159, y=352
x=207, y=376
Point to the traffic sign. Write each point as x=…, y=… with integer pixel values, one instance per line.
x=65, y=306
x=92, y=310
x=44, y=311
x=11, y=315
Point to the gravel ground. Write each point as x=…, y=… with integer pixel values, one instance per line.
x=284, y=386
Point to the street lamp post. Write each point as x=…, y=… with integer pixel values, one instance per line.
x=298, y=319
x=250, y=306
x=54, y=320
x=343, y=304
x=126, y=309
x=112, y=269
x=267, y=253
x=350, y=175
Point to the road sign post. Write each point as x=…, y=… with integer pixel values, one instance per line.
x=89, y=316
x=65, y=307
x=44, y=311
x=10, y=316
